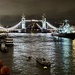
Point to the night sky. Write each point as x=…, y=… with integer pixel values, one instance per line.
x=11, y=10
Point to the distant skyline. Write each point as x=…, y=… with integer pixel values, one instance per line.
x=55, y=9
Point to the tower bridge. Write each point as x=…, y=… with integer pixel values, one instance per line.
x=35, y=25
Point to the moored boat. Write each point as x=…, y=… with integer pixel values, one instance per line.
x=9, y=41
x=3, y=47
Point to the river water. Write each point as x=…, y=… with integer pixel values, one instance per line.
x=60, y=52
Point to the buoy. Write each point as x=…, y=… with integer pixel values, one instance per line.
x=1, y=64
x=5, y=70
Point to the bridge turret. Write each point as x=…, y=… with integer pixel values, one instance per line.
x=44, y=22
x=23, y=22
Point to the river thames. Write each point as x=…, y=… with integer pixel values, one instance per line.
x=60, y=52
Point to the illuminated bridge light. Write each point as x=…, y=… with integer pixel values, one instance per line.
x=22, y=25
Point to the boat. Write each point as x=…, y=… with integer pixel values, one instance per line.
x=3, y=47
x=43, y=62
x=5, y=43
x=3, y=35
x=65, y=30
x=29, y=58
x=9, y=41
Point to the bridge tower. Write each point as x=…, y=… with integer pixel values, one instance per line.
x=23, y=23
x=44, y=27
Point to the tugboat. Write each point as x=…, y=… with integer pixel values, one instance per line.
x=43, y=62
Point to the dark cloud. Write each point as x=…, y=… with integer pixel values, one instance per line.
x=52, y=8
x=29, y=7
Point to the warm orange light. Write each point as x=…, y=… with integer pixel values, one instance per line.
x=73, y=44
x=5, y=70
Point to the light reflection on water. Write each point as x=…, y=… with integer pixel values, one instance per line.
x=73, y=55
x=59, y=53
